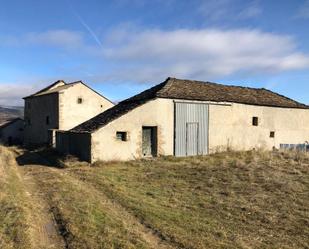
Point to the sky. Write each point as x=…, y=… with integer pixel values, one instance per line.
x=122, y=47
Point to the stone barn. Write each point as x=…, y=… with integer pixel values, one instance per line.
x=60, y=106
x=12, y=132
x=187, y=118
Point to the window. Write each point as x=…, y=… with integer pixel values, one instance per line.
x=80, y=100
x=121, y=135
x=255, y=121
x=28, y=121
x=47, y=120
x=272, y=134
x=29, y=105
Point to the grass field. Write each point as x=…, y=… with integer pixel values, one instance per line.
x=14, y=209
x=225, y=200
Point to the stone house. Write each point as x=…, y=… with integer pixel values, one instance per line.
x=60, y=106
x=184, y=118
x=12, y=131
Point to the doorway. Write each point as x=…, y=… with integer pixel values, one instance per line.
x=192, y=139
x=10, y=141
x=149, y=141
x=191, y=121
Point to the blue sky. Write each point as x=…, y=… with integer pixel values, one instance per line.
x=122, y=47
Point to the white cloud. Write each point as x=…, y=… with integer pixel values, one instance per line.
x=303, y=11
x=214, y=9
x=250, y=11
x=219, y=10
x=142, y=56
x=61, y=38
x=56, y=38
x=12, y=93
x=154, y=54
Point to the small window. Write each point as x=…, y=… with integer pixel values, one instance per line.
x=121, y=135
x=255, y=121
x=29, y=105
x=272, y=134
x=29, y=121
x=47, y=120
x=80, y=100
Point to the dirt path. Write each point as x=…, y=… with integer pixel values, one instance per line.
x=46, y=224
x=129, y=220
x=44, y=230
x=45, y=227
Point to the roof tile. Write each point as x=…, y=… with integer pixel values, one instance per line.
x=191, y=90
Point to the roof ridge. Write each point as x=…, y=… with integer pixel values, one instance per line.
x=168, y=84
x=150, y=91
x=50, y=86
x=75, y=82
x=46, y=88
x=220, y=84
x=243, y=87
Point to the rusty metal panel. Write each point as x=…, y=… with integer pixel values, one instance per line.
x=191, y=129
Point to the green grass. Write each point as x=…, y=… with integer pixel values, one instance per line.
x=14, y=212
x=86, y=219
x=227, y=200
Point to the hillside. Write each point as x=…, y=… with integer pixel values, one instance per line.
x=7, y=113
x=225, y=200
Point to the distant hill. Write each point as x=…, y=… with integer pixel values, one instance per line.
x=9, y=112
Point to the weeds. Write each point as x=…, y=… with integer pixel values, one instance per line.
x=14, y=226
x=252, y=199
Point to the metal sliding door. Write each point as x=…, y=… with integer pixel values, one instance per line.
x=191, y=129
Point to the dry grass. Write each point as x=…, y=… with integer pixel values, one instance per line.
x=14, y=215
x=85, y=217
x=226, y=200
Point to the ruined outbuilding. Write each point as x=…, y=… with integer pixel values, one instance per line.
x=12, y=132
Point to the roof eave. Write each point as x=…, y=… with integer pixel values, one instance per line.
x=10, y=122
x=34, y=96
x=244, y=103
